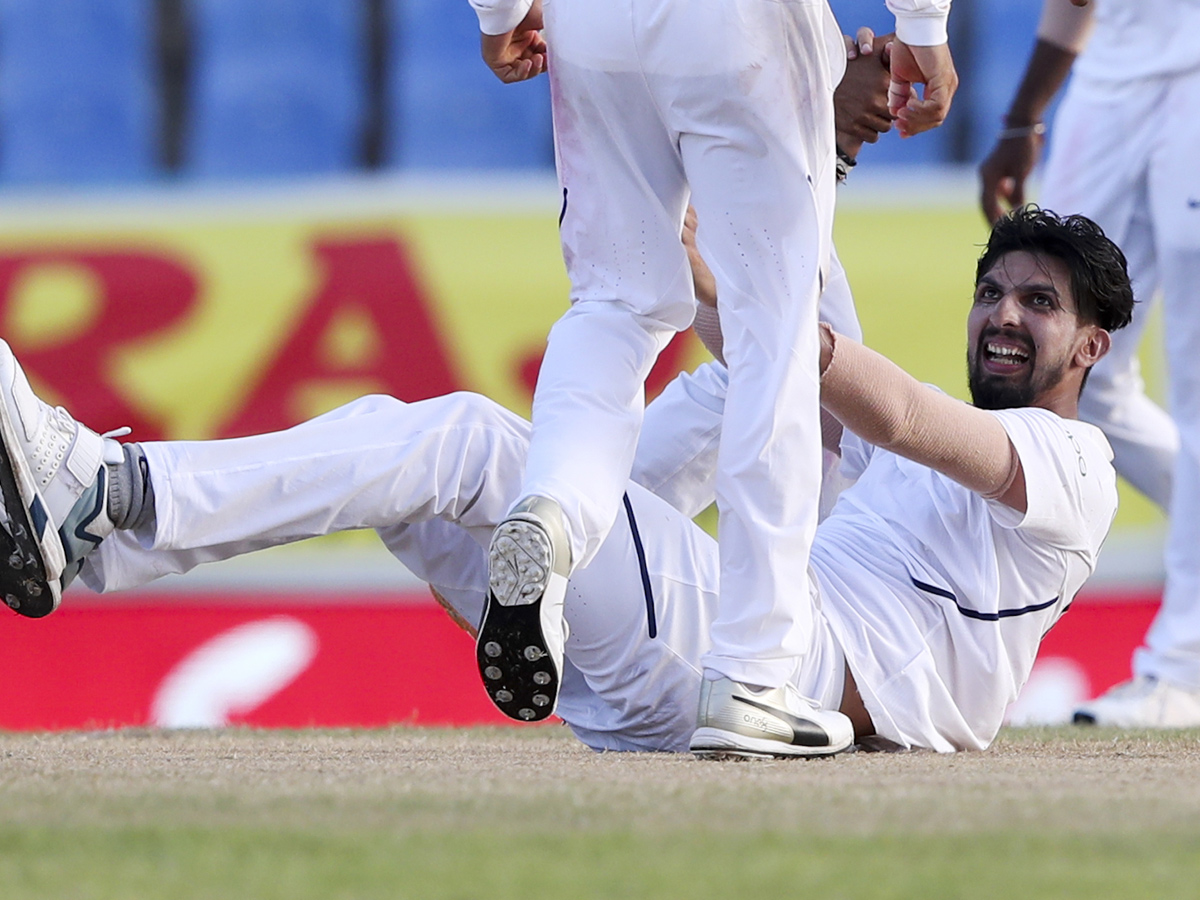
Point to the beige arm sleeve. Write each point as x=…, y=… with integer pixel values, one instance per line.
x=707, y=326
x=1066, y=25
x=883, y=404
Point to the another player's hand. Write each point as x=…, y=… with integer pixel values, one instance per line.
x=519, y=54
x=860, y=101
x=702, y=277
x=934, y=68
x=1002, y=175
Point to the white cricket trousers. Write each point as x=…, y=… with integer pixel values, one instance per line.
x=731, y=100
x=1124, y=155
x=433, y=479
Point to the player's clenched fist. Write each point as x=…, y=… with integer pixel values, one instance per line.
x=930, y=66
x=520, y=54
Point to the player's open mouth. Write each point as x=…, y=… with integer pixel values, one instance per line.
x=1004, y=356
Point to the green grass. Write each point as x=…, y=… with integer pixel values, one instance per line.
x=529, y=813
x=296, y=865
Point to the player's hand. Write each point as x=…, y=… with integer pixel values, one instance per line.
x=860, y=101
x=703, y=281
x=862, y=44
x=519, y=54
x=1002, y=175
x=934, y=68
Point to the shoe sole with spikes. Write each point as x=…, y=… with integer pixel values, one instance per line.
x=520, y=663
x=31, y=553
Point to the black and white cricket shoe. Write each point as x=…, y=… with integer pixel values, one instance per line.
x=521, y=637
x=54, y=486
x=737, y=721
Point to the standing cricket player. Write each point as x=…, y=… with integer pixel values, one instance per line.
x=653, y=100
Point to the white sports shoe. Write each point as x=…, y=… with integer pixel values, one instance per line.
x=737, y=720
x=521, y=637
x=55, y=491
x=1143, y=702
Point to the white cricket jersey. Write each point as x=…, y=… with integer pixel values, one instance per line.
x=939, y=597
x=1141, y=39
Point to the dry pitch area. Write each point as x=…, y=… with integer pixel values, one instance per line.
x=510, y=813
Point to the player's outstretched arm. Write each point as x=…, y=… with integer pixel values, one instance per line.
x=1062, y=33
x=514, y=52
x=886, y=406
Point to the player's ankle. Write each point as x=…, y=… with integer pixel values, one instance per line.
x=130, y=488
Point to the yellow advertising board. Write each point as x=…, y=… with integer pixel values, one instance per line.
x=195, y=317
x=198, y=329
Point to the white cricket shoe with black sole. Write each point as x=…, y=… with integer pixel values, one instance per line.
x=521, y=637
x=1143, y=702
x=55, y=490
x=737, y=721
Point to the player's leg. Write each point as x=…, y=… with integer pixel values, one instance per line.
x=756, y=131
x=54, y=475
x=677, y=450
x=373, y=463
x=623, y=201
x=1172, y=648
x=1165, y=690
x=624, y=197
x=640, y=616
x=757, y=147
x=1101, y=148
x=1142, y=434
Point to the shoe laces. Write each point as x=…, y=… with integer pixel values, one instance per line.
x=53, y=440
x=63, y=420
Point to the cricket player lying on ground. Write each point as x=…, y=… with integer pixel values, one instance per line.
x=966, y=534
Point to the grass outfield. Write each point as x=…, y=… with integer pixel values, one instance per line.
x=530, y=812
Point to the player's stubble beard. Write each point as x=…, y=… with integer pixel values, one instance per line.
x=1000, y=392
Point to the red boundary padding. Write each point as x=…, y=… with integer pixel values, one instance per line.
x=384, y=661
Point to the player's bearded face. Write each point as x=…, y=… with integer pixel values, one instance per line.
x=991, y=390
x=1020, y=331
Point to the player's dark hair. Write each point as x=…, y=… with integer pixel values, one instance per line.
x=1099, y=273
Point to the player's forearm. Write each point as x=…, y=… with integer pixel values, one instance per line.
x=1063, y=32
x=886, y=406
x=500, y=16
x=1048, y=68
x=920, y=23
